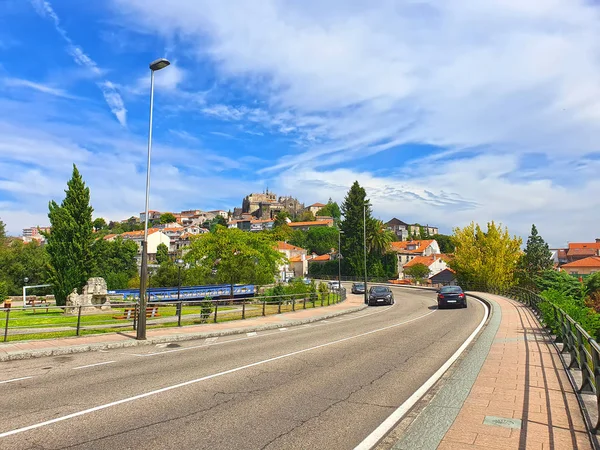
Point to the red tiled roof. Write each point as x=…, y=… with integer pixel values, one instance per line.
x=139, y=233
x=402, y=246
x=285, y=246
x=592, y=261
x=296, y=259
x=311, y=223
x=582, y=252
x=317, y=205
x=594, y=245
x=426, y=260
x=109, y=236
x=325, y=257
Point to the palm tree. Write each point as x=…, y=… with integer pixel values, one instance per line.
x=379, y=238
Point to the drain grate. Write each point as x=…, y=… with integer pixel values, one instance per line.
x=502, y=422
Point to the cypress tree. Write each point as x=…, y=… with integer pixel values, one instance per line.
x=352, y=226
x=70, y=239
x=537, y=257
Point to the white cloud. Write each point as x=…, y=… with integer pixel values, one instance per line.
x=17, y=82
x=109, y=90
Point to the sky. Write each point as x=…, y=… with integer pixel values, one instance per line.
x=445, y=112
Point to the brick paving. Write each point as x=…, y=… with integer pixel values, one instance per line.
x=23, y=349
x=522, y=378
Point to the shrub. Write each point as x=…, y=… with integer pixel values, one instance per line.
x=586, y=317
x=206, y=308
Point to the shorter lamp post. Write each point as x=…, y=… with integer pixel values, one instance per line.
x=365, y=206
x=25, y=281
x=180, y=263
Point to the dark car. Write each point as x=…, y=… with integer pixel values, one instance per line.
x=380, y=295
x=358, y=288
x=451, y=296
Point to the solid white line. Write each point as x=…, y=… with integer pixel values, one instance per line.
x=210, y=341
x=282, y=329
x=251, y=334
x=94, y=365
x=15, y=379
x=198, y=380
x=375, y=437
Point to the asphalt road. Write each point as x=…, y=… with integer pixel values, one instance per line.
x=321, y=386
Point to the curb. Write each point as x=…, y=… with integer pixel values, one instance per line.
x=67, y=350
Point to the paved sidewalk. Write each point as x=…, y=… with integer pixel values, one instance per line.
x=518, y=394
x=61, y=346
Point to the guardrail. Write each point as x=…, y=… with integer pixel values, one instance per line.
x=20, y=323
x=583, y=350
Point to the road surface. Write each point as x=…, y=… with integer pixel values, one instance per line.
x=326, y=385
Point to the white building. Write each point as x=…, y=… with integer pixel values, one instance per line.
x=155, y=238
x=409, y=250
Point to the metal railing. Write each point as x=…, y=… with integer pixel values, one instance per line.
x=583, y=350
x=50, y=321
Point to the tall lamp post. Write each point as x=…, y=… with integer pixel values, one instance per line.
x=141, y=326
x=180, y=263
x=340, y=260
x=365, y=206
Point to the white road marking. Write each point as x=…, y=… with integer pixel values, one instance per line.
x=15, y=379
x=283, y=329
x=210, y=341
x=198, y=380
x=375, y=437
x=300, y=327
x=251, y=334
x=103, y=351
x=162, y=345
x=93, y=365
x=325, y=321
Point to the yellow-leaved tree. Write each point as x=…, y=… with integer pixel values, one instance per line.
x=485, y=258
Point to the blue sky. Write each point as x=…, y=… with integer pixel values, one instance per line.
x=445, y=113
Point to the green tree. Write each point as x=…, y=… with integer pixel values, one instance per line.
x=19, y=260
x=485, y=258
x=99, y=224
x=167, y=218
x=353, y=228
x=445, y=242
x=162, y=253
x=321, y=240
x=592, y=284
x=167, y=275
x=70, y=239
x=418, y=271
x=235, y=256
x=305, y=216
x=298, y=238
x=379, y=239
x=3, y=292
x=115, y=261
x=281, y=219
x=332, y=209
x=560, y=282
x=2, y=232
x=536, y=259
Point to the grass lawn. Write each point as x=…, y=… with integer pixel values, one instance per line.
x=167, y=318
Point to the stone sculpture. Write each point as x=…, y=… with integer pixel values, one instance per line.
x=94, y=296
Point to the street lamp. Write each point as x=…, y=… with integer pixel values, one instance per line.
x=141, y=326
x=180, y=263
x=340, y=232
x=365, y=206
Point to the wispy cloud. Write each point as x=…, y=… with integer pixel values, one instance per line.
x=109, y=91
x=17, y=82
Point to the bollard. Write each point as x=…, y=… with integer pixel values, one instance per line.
x=78, y=320
x=304, y=302
x=243, y=309
x=279, y=307
x=264, y=307
x=6, y=325
x=323, y=299
x=216, y=308
x=179, y=312
x=135, y=312
x=293, y=303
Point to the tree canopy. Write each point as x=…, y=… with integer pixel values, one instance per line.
x=115, y=261
x=70, y=241
x=233, y=256
x=162, y=253
x=353, y=227
x=445, y=242
x=305, y=216
x=536, y=258
x=418, y=271
x=99, y=224
x=167, y=218
x=332, y=209
x=485, y=258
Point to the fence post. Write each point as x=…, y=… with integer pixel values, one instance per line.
x=596, y=375
x=587, y=370
x=243, y=308
x=293, y=303
x=135, y=313
x=179, y=312
x=323, y=299
x=6, y=325
x=304, y=302
x=264, y=307
x=216, y=309
x=78, y=320
x=279, y=305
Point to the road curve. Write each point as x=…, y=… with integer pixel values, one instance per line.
x=326, y=385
